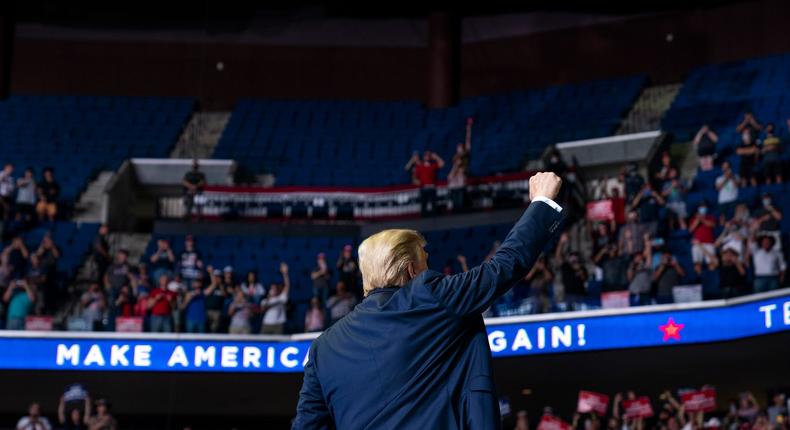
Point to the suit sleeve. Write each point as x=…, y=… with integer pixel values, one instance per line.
x=474, y=291
x=312, y=411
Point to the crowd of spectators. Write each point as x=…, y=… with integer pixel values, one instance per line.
x=669, y=413
x=28, y=281
x=76, y=410
x=424, y=173
x=26, y=200
x=179, y=292
x=730, y=246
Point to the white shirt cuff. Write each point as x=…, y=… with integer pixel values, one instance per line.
x=549, y=202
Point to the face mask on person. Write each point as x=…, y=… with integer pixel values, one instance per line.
x=702, y=210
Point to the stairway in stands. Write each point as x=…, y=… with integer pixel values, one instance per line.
x=646, y=113
x=89, y=207
x=201, y=135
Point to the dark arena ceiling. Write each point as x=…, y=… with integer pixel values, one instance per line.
x=233, y=15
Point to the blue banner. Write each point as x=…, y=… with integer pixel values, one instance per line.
x=598, y=331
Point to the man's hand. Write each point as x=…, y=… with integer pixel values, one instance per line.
x=544, y=184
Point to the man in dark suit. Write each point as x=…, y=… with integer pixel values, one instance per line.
x=415, y=354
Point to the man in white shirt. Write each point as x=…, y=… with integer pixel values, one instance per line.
x=769, y=264
x=34, y=420
x=727, y=186
x=273, y=305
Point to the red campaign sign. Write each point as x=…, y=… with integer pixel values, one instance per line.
x=39, y=323
x=590, y=401
x=129, y=324
x=699, y=401
x=600, y=210
x=638, y=408
x=549, y=422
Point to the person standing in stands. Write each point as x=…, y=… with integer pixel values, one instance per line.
x=240, y=312
x=662, y=174
x=633, y=181
x=119, y=273
x=666, y=276
x=348, y=269
x=19, y=298
x=705, y=141
x=772, y=155
x=574, y=274
x=194, y=307
x=732, y=274
x=228, y=281
x=162, y=260
x=214, y=301
x=33, y=420
x=341, y=303
x=727, y=186
x=767, y=219
x=425, y=171
x=321, y=276
x=7, y=186
x=647, y=203
x=674, y=193
x=190, y=265
x=456, y=179
x=194, y=183
x=48, y=194
x=26, y=196
x=273, y=306
x=456, y=185
x=639, y=274
x=315, y=316
x=77, y=417
x=100, y=249
x=769, y=264
x=701, y=227
x=17, y=256
x=750, y=155
x=253, y=289
x=103, y=420
x=749, y=124
x=160, y=304
x=614, y=265
x=94, y=303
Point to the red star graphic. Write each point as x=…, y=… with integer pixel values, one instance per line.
x=671, y=330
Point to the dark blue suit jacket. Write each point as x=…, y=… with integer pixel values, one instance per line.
x=417, y=356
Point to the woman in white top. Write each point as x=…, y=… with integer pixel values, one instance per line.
x=252, y=288
x=273, y=306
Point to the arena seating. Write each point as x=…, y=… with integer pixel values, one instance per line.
x=321, y=142
x=263, y=255
x=719, y=94
x=80, y=135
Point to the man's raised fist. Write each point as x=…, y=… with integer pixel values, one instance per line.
x=544, y=184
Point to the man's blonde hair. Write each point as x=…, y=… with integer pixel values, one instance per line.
x=384, y=258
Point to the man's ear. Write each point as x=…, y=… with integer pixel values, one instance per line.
x=412, y=271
